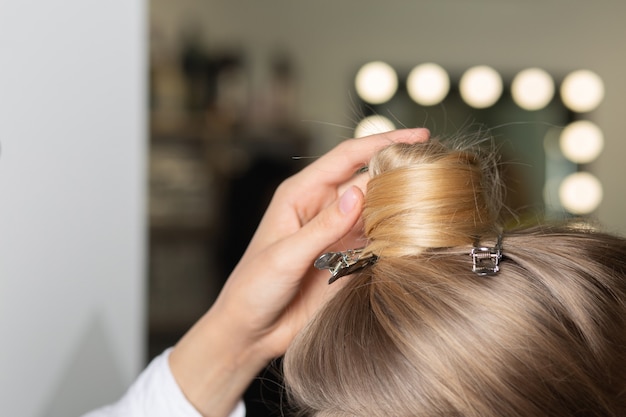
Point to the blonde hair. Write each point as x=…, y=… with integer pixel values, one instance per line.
x=419, y=334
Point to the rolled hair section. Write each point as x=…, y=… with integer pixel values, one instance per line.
x=430, y=195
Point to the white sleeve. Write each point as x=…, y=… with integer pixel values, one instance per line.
x=155, y=394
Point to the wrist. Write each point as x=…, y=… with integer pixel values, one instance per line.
x=213, y=365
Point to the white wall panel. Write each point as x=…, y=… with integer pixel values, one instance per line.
x=72, y=186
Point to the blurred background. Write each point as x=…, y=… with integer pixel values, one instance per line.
x=141, y=142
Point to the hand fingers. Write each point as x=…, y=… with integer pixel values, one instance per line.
x=303, y=195
x=342, y=162
x=288, y=260
x=329, y=226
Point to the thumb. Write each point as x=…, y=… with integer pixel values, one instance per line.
x=328, y=227
x=334, y=222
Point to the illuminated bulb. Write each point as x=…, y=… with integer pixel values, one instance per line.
x=376, y=82
x=582, y=91
x=532, y=89
x=372, y=125
x=581, y=142
x=481, y=86
x=428, y=84
x=580, y=193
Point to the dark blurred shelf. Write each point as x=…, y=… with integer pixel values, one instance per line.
x=191, y=231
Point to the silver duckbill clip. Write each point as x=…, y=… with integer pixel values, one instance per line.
x=344, y=263
x=486, y=260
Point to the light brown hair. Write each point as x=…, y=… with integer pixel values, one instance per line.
x=419, y=334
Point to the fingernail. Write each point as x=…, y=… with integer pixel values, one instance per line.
x=348, y=201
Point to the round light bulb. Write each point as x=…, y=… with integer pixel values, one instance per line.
x=581, y=142
x=376, y=82
x=372, y=125
x=428, y=84
x=481, y=86
x=580, y=193
x=532, y=89
x=582, y=91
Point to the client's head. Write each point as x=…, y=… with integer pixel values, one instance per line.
x=419, y=334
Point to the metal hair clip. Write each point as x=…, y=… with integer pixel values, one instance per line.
x=486, y=260
x=344, y=263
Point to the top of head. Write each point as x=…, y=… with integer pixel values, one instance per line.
x=430, y=195
x=419, y=334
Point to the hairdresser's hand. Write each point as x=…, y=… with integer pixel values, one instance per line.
x=274, y=290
